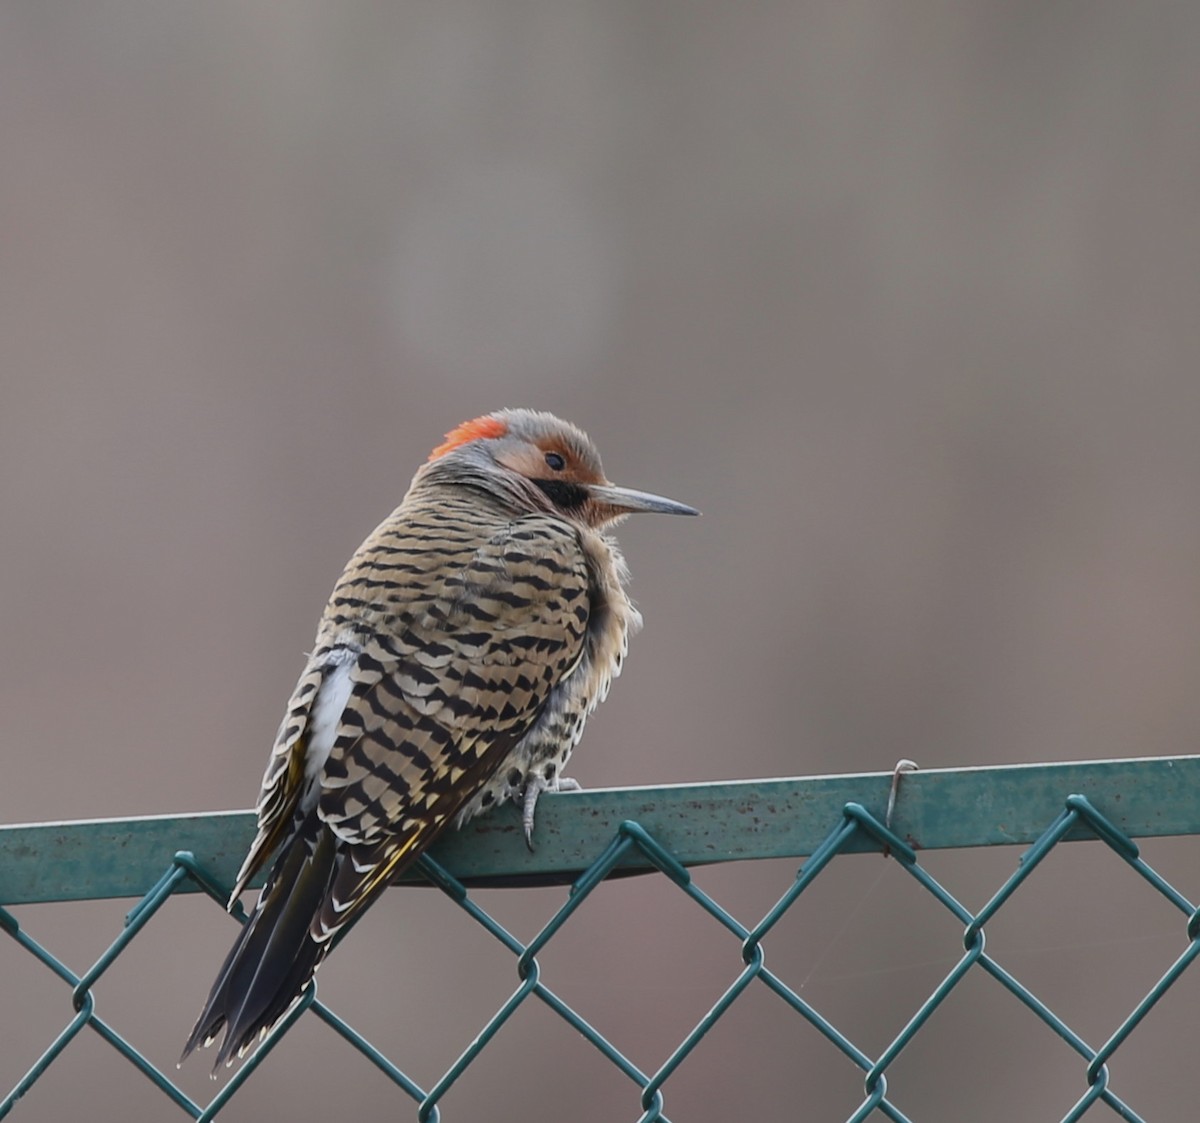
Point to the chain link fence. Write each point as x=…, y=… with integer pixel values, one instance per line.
x=586, y=838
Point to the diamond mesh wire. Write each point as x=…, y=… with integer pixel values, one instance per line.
x=853, y=827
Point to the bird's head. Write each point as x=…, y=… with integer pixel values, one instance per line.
x=546, y=462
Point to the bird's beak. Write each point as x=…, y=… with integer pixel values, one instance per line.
x=624, y=500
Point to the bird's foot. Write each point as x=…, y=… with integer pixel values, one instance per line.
x=534, y=786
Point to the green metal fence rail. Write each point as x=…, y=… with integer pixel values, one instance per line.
x=585, y=837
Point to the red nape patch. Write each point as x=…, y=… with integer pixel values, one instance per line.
x=479, y=429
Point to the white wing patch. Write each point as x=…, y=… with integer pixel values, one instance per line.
x=326, y=713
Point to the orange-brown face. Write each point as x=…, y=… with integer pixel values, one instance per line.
x=559, y=471
x=549, y=458
x=560, y=461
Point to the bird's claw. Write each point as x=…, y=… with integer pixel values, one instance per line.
x=534, y=786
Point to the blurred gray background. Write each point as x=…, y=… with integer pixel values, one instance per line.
x=903, y=296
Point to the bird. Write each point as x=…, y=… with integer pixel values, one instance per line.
x=460, y=654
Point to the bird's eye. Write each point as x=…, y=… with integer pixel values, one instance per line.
x=555, y=461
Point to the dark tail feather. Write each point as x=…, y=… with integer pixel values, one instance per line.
x=274, y=957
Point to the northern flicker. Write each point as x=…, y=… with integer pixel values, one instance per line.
x=459, y=656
